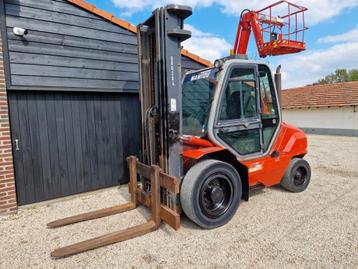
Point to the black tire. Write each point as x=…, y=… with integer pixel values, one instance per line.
x=297, y=176
x=211, y=193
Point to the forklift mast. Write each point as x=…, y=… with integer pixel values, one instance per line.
x=159, y=45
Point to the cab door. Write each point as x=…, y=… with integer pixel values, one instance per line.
x=238, y=124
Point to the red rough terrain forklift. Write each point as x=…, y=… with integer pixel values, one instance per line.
x=210, y=138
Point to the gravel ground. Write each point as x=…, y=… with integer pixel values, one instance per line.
x=275, y=229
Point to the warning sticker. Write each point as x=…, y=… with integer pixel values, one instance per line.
x=173, y=105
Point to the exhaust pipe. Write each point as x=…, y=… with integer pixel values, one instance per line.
x=278, y=82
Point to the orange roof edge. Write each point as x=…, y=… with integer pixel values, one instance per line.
x=110, y=17
x=196, y=58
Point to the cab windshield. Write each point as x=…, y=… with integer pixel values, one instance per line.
x=198, y=90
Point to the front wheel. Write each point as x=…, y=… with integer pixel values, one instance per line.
x=211, y=193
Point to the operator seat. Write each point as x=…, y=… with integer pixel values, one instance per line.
x=233, y=108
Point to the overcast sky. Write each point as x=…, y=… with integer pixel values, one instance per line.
x=332, y=40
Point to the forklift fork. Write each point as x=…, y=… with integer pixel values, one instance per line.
x=162, y=188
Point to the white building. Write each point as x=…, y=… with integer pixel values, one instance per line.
x=323, y=109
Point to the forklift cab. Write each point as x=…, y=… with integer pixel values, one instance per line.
x=234, y=140
x=235, y=106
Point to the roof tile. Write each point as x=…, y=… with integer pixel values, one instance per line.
x=338, y=94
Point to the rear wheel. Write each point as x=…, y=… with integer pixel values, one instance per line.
x=211, y=193
x=297, y=176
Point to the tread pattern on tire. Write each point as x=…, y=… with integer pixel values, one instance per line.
x=188, y=185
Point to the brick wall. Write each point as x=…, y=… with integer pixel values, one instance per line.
x=7, y=178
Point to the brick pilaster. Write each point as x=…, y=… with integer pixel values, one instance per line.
x=7, y=179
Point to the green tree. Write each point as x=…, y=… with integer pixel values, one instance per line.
x=354, y=75
x=340, y=75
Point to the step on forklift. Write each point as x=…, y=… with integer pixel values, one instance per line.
x=211, y=137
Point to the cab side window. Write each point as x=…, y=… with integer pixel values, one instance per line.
x=268, y=100
x=239, y=100
x=269, y=108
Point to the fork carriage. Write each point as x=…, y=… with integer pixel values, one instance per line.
x=160, y=195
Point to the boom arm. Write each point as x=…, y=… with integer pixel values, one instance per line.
x=247, y=24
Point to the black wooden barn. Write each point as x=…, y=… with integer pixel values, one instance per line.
x=72, y=85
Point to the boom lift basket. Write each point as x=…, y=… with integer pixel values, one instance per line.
x=284, y=33
x=278, y=29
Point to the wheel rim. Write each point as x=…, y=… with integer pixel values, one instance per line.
x=216, y=195
x=300, y=176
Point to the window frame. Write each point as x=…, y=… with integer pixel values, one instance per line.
x=212, y=124
x=223, y=123
x=274, y=96
x=242, y=111
x=191, y=72
x=237, y=124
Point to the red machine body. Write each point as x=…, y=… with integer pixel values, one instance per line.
x=267, y=171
